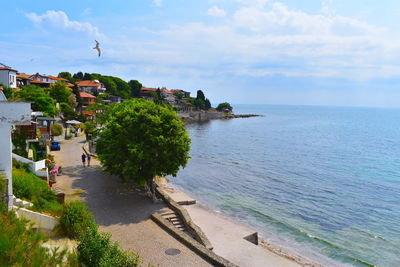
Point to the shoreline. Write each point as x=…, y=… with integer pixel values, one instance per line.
x=227, y=236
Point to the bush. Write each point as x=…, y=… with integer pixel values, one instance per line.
x=28, y=186
x=56, y=129
x=75, y=219
x=96, y=249
x=20, y=245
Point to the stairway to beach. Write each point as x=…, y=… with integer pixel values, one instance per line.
x=174, y=218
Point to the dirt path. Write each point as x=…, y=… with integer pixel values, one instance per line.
x=120, y=209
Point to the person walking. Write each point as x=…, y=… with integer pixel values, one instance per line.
x=88, y=159
x=83, y=159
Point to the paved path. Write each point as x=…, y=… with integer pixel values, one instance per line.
x=121, y=209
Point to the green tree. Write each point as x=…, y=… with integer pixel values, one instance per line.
x=141, y=139
x=65, y=75
x=136, y=86
x=109, y=84
x=178, y=95
x=41, y=101
x=68, y=112
x=224, y=106
x=56, y=129
x=75, y=91
x=78, y=76
x=87, y=76
x=207, y=104
x=199, y=103
x=60, y=92
x=200, y=95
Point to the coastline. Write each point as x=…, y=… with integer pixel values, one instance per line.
x=228, y=239
x=200, y=116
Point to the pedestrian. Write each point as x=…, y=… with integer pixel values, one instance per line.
x=83, y=159
x=88, y=159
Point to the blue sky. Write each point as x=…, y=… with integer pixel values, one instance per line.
x=315, y=52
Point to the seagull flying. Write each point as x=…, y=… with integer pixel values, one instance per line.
x=97, y=47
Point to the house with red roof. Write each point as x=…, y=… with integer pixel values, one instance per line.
x=89, y=86
x=87, y=99
x=8, y=76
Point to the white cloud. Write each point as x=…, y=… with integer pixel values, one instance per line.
x=59, y=19
x=216, y=12
x=157, y=3
x=279, y=18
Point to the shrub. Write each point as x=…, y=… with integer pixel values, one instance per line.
x=56, y=129
x=20, y=245
x=75, y=219
x=28, y=186
x=96, y=249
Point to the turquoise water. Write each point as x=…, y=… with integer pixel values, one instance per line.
x=321, y=179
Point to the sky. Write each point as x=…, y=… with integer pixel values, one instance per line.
x=311, y=52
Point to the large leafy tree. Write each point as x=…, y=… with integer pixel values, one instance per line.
x=41, y=101
x=224, y=106
x=60, y=92
x=136, y=86
x=78, y=76
x=65, y=75
x=141, y=139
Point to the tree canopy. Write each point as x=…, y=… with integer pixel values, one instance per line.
x=136, y=86
x=65, y=75
x=60, y=92
x=224, y=106
x=141, y=139
x=41, y=101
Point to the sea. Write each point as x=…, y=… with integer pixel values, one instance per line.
x=321, y=181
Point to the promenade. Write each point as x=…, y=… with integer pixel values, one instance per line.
x=120, y=209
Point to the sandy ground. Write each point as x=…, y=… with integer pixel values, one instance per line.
x=120, y=209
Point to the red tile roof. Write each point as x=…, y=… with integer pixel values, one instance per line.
x=88, y=83
x=23, y=76
x=4, y=68
x=57, y=78
x=84, y=94
x=148, y=89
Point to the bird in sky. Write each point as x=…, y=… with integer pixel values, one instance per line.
x=97, y=47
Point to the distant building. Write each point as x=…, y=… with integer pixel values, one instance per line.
x=185, y=93
x=92, y=87
x=8, y=76
x=147, y=93
x=39, y=80
x=87, y=99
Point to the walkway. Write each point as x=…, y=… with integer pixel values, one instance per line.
x=121, y=209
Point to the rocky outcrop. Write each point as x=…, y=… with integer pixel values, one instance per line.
x=199, y=116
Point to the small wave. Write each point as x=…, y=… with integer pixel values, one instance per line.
x=344, y=257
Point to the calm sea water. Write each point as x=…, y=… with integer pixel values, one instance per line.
x=319, y=179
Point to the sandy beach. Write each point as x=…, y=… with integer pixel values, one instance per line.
x=227, y=238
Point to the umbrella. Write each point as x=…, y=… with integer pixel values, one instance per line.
x=73, y=122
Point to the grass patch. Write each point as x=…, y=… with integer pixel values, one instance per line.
x=28, y=186
x=20, y=245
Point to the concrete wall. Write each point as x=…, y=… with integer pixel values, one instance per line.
x=41, y=221
x=11, y=113
x=35, y=166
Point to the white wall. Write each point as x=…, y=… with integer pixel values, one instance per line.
x=11, y=113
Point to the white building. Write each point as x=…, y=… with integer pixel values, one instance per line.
x=8, y=76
